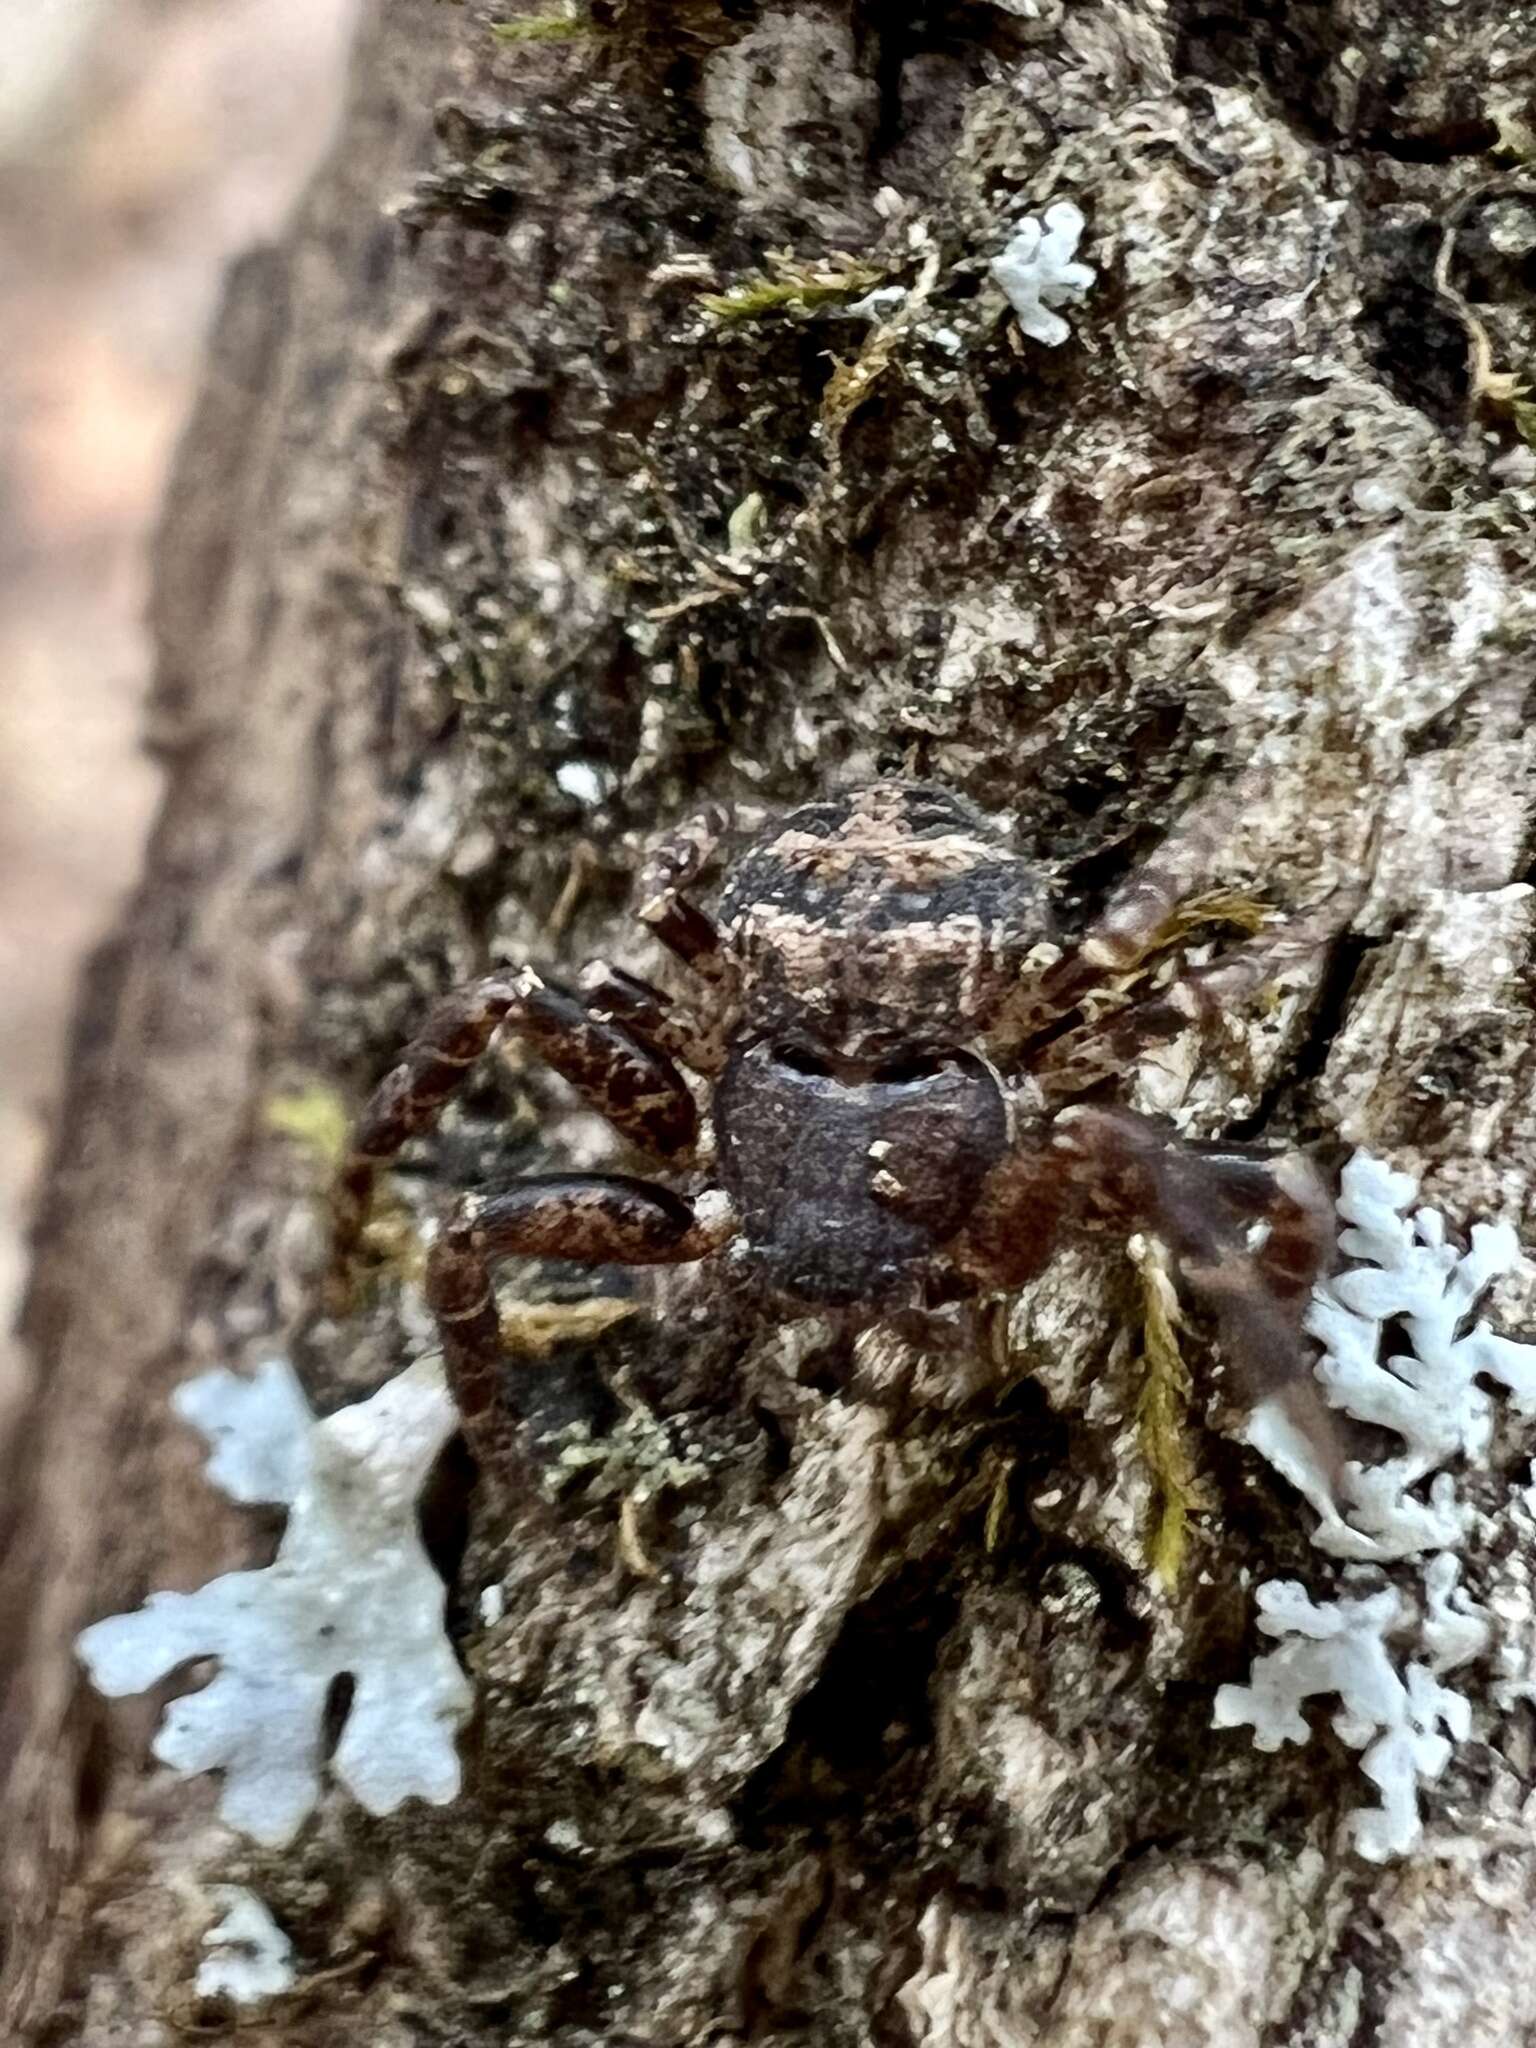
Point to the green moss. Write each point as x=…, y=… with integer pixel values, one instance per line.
x=317, y=1121
x=789, y=285
x=1162, y=1419
x=561, y=27
x=1216, y=906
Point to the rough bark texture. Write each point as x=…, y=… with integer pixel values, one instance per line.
x=894, y=1742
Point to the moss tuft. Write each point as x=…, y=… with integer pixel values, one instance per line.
x=788, y=285
x=1162, y=1412
x=1216, y=906
x=316, y=1119
x=563, y=26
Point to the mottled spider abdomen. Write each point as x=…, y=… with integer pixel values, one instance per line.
x=845, y=1185
x=892, y=919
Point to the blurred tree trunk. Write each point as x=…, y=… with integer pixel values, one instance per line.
x=491, y=548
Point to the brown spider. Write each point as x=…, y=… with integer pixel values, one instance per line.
x=891, y=1034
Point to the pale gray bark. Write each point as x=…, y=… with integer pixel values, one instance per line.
x=899, y=1743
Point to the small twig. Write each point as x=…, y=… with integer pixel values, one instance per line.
x=584, y=864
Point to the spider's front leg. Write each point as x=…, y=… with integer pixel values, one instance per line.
x=1141, y=917
x=1109, y=1044
x=599, y=1219
x=629, y=1081
x=1252, y=1232
x=1126, y=930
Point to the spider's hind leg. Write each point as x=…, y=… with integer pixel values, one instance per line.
x=1252, y=1231
x=1137, y=913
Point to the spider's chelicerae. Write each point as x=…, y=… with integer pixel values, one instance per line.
x=891, y=1039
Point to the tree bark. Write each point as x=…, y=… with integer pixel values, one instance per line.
x=489, y=551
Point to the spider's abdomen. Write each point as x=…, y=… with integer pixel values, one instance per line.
x=896, y=912
x=845, y=1186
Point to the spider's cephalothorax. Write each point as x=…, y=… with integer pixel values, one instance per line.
x=891, y=1039
x=881, y=924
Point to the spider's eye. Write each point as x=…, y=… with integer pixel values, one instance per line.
x=919, y=1066
x=800, y=1060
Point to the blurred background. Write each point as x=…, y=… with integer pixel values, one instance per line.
x=142, y=144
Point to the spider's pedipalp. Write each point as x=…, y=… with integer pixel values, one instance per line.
x=675, y=1028
x=671, y=868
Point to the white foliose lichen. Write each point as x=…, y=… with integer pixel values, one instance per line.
x=258, y=1428
x=1037, y=272
x=350, y=1593
x=1427, y=1396
x=1384, y=1651
x=249, y=1959
x=1352, y=1647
